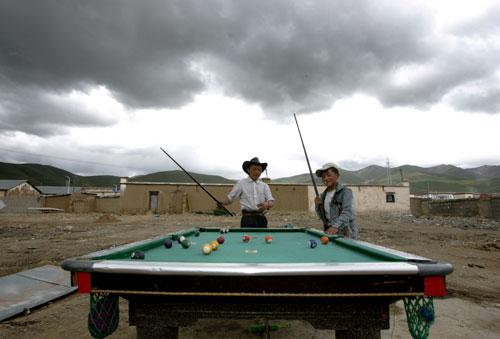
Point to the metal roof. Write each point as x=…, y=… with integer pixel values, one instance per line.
x=58, y=190
x=8, y=184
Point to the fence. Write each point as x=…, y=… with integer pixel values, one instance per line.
x=485, y=208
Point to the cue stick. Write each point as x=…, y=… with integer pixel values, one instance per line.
x=321, y=209
x=219, y=204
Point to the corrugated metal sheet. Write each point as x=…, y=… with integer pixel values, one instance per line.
x=25, y=290
x=8, y=184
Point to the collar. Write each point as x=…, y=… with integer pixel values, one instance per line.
x=338, y=187
x=251, y=180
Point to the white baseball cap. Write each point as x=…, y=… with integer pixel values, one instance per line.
x=325, y=167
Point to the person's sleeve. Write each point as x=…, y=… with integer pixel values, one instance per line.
x=347, y=212
x=235, y=192
x=319, y=212
x=267, y=193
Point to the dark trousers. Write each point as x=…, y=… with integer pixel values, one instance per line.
x=253, y=220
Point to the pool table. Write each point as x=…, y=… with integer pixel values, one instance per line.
x=346, y=285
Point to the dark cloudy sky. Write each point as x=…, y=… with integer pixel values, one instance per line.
x=96, y=87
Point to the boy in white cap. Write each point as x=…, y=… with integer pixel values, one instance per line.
x=336, y=203
x=255, y=195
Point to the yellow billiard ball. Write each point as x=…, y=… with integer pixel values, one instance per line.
x=215, y=245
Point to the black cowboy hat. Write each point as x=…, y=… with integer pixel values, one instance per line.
x=254, y=161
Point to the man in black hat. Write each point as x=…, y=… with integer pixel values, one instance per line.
x=255, y=195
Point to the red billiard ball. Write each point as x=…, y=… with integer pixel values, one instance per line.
x=246, y=238
x=220, y=240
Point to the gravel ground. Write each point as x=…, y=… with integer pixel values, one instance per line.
x=472, y=245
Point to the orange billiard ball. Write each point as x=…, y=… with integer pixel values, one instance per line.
x=325, y=240
x=268, y=239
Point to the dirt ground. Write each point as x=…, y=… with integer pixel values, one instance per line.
x=471, y=309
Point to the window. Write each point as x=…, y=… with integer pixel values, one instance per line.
x=390, y=197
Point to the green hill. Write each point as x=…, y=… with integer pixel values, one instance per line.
x=180, y=176
x=45, y=175
x=442, y=178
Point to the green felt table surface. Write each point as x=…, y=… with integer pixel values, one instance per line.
x=287, y=246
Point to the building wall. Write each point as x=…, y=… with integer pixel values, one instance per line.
x=19, y=203
x=83, y=203
x=58, y=201
x=107, y=205
x=24, y=189
x=485, y=208
x=290, y=197
x=179, y=198
x=495, y=207
x=373, y=198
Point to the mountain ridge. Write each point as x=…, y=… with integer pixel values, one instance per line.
x=441, y=178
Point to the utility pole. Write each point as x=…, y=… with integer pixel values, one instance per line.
x=68, y=183
x=389, y=179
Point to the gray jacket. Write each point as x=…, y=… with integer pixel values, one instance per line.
x=342, y=215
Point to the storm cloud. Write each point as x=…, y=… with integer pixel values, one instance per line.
x=285, y=56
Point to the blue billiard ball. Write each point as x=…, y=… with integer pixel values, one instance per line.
x=312, y=243
x=168, y=243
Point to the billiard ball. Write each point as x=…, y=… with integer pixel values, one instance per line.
x=268, y=239
x=197, y=233
x=215, y=245
x=246, y=238
x=324, y=240
x=167, y=243
x=312, y=243
x=181, y=239
x=206, y=249
x=137, y=255
x=185, y=243
x=220, y=240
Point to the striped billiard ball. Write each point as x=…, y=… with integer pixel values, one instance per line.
x=206, y=249
x=312, y=243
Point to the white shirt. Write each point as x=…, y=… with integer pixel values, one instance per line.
x=328, y=201
x=251, y=193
